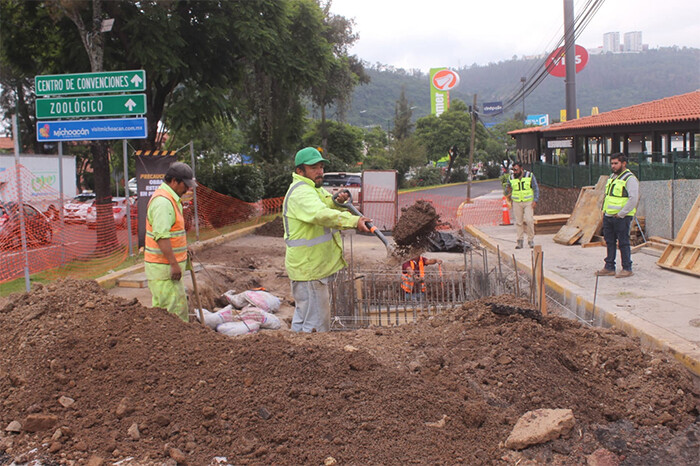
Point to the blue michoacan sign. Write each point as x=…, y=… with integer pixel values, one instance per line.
x=490, y=108
x=82, y=130
x=539, y=120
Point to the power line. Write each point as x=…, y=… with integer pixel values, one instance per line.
x=581, y=21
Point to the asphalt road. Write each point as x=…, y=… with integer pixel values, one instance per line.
x=479, y=188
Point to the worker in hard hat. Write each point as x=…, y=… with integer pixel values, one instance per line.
x=165, y=254
x=312, y=224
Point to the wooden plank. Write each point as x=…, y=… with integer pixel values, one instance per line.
x=689, y=231
x=586, y=218
x=682, y=254
x=593, y=244
x=659, y=239
x=551, y=218
x=568, y=234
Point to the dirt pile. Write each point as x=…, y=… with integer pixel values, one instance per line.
x=415, y=225
x=87, y=375
x=275, y=228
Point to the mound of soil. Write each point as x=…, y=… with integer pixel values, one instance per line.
x=92, y=377
x=416, y=223
x=275, y=228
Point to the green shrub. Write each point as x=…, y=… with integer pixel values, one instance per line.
x=427, y=176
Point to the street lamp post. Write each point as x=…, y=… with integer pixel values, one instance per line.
x=522, y=80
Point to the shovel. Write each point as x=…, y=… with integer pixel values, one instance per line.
x=390, y=248
x=190, y=267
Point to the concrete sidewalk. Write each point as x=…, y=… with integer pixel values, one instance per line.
x=659, y=306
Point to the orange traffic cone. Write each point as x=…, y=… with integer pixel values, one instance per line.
x=506, y=212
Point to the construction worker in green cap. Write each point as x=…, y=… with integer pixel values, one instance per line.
x=312, y=224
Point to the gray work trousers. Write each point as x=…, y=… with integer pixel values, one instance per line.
x=313, y=305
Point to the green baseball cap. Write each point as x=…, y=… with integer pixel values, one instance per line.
x=308, y=156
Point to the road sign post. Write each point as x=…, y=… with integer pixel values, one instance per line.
x=92, y=106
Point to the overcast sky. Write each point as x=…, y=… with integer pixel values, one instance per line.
x=435, y=33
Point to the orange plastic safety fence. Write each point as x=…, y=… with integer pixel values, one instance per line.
x=454, y=212
x=78, y=242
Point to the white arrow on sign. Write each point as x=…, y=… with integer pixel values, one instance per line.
x=130, y=104
x=136, y=80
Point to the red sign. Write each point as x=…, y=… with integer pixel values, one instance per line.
x=556, y=61
x=444, y=80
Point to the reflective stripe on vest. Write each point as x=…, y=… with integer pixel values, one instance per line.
x=308, y=242
x=521, y=188
x=178, y=239
x=616, y=195
x=407, y=280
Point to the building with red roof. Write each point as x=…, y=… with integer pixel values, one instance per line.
x=658, y=129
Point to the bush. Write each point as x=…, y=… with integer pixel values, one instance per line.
x=458, y=175
x=427, y=176
x=244, y=182
x=493, y=171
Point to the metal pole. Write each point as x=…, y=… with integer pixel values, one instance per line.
x=522, y=80
x=60, y=201
x=570, y=59
x=471, y=152
x=20, y=204
x=194, y=193
x=127, y=196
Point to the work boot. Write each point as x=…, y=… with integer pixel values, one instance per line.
x=624, y=274
x=605, y=273
x=519, y=245
x=531, y=244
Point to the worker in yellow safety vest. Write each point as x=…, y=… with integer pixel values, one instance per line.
x=312, y=224
x=619, y=207
x=165, y=253
x=413, y=271
x=524, y=194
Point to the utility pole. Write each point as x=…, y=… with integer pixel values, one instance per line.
x=570, y=58
x=522, y=80
x=471, y=152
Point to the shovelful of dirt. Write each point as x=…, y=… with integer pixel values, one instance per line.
x=89, y=378
x=414, y=227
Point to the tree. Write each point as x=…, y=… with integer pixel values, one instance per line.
x=341, y=73
x=344, y=143
x=403, y=126
x=451, y=130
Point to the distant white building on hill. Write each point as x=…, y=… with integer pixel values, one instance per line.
x=611, y=42
x=633, y=41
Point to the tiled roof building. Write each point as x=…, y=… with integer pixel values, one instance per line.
x=656, y=128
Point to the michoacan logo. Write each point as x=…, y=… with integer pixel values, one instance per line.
x=445, y=80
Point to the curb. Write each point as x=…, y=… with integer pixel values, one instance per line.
x=110, y=280
x=649, y=334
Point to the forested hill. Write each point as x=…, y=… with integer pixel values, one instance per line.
x=609, y=81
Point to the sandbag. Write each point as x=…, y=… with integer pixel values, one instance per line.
x=238, y=328
x=258, y=298
x=214, y=319
x=265, y=319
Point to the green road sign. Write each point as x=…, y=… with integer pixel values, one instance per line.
x=99, y=105
x=90, y=83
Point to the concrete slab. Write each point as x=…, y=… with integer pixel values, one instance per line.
x=657, y=305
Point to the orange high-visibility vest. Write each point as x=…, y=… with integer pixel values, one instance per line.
x=407, y=279
x=178, y=239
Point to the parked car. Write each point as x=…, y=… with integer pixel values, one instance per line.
x=336, y=181
x=37, y=226
x=120, y=209
x=75, y=211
